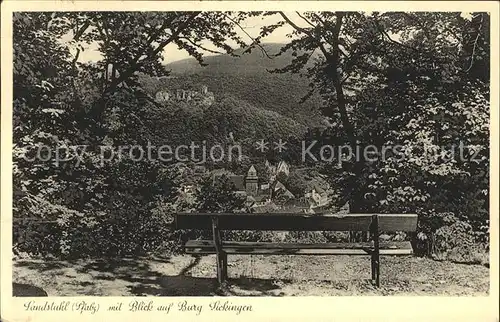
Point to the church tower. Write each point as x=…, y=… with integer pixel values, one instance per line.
x=251, y=182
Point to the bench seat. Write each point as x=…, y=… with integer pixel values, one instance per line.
x=205, y=247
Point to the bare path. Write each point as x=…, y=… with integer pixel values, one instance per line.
x=252, y=276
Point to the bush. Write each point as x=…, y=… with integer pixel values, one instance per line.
x=120, y=233
x=459, y=243
x=36, y=238
x=312, y=237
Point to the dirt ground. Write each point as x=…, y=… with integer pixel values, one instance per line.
x=257, y=275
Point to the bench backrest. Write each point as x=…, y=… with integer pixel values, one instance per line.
x=296, y=222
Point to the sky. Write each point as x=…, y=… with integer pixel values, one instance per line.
x=252, y=26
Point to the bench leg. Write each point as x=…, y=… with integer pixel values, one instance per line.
x=375, y=261
x=376, y=252
x=377, y=279
x=221, y=267
x=374, y=268
x=224, y=266
x=220, y=261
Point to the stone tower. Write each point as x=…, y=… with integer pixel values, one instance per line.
x=251, y=182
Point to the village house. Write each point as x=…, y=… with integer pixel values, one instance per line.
x=317, y=195
x=280, y=191
x=248, y=185
x=274, y=170
x=259, y=194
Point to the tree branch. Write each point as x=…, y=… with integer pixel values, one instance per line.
x=73, y=62
x=305, y=31
x=201, y=47
x=384, y=34
x=296, y=27
x=80, y=31
x=319, y=19
x=419, y=23
x=333, y=61
x=342, y=104
x=255, y=42
x=137, y=63
x=475, y=44
x=305, y=19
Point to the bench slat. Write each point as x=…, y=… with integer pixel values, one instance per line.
x=395, y=223
x=387, y=248
x=210, y=243
x=235, y=251
x=294, y=222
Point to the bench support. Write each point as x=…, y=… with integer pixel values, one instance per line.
x=375, y=255
x=221, y=255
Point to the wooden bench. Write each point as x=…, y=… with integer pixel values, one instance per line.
x=373, y=223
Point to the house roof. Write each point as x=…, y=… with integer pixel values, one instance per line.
x=317, y=185
x=298, y=203
x=265, y=192
x=282, y=164
x=261, y=197
x=295, y=209
x=318, y=188
x=278, y=185
x=323, y=208
x=252, y=171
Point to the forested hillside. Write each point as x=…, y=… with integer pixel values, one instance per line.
x=247, y=77
x=181, y=123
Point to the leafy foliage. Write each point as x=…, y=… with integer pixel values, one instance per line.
x=219, y=196
x=90, y=207
x=418, y=81
x=294, y=182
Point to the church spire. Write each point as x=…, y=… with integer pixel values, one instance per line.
x=251, y=181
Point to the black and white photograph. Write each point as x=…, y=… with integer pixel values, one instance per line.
x=250, y=154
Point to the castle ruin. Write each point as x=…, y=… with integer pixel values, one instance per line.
x=202, y=97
